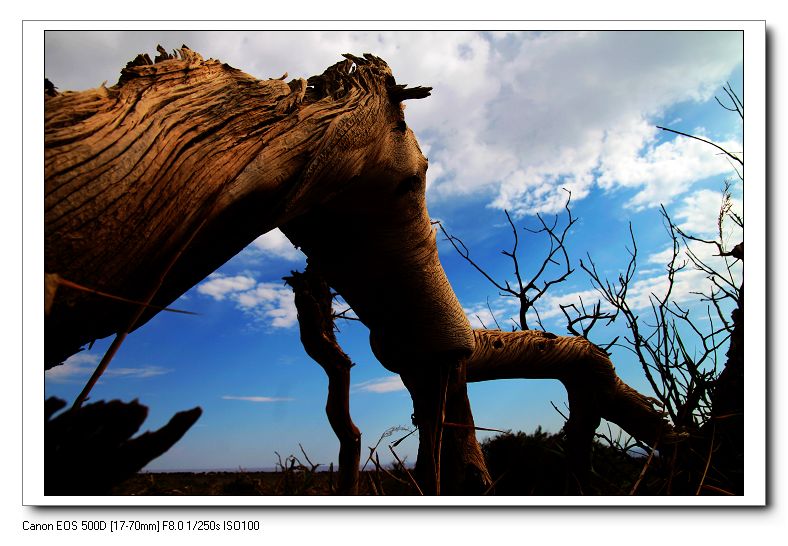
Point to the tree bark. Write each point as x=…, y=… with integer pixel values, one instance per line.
x=463, y=468
x=594, y=389
x=316, y=322
x=182, y=158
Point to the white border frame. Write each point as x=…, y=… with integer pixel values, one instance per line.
x=755, y=235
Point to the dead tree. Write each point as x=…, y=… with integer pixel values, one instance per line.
x=680, y=354
x=595, y=391
x=153, y=183
x=528, y=290
x=313, y=301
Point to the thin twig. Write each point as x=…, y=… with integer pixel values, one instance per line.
x=377, y=474
x=410, y=476
x=741, y=161
x=314, y=466
x=398, y=442
x=70, y=284
x=559, y=411
x=386, y=433
x=372, y=484
x=645, y=468
x=493, y=484
x=393, y=477
x=489, y=308
x=718, y=490
x=460, y=425
x=708, y=459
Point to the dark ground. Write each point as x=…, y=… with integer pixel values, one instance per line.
x=253, y=484
x=519, y=464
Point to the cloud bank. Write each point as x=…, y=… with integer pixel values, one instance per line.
x=269, y=303
x=513, y=117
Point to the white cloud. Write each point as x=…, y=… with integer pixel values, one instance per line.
x=698, y=211
x=557, y=106
x=505, y=310
x=77, y=366
x=502, y=310
x=550, y=305
x=688, y=284
x=80, y=366
x=391, y=383
x=270, y=303
x=660, y=171
x=691, y=279
x=513, y=117
x=258, y=399
x=136, y=373
x=220, y=286
x=274, y=244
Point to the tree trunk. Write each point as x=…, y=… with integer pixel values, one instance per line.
x=463, y=468
x=316, y=322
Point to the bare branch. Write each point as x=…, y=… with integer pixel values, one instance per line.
x=726, y=152
x=527, y=292
x=465, y=254
x=492, y=314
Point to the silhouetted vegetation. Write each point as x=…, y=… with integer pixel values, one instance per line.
x=537, y=464
x=691, y=354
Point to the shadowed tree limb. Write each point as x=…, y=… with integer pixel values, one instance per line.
x=463, y=470
x=316, y=323
x=594, y=389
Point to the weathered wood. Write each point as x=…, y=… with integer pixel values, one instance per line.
x=594, y=389
x=131, y=172
x=155, y=182
x=316, y=323
x=180, y=146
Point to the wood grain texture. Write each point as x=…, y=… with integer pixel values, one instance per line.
x=191, y=158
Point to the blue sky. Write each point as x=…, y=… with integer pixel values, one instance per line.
x=514, y=117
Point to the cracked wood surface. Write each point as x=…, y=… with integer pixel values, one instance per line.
x=191, y=158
